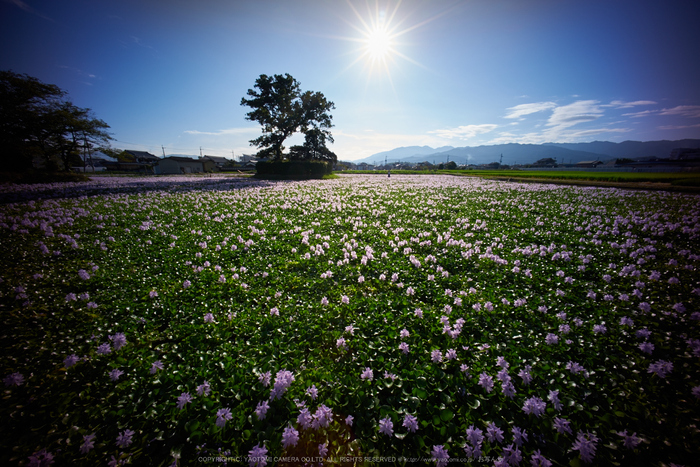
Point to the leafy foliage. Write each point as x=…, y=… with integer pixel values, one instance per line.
x=153, y=319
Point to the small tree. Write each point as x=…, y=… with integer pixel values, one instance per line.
x=282, y=110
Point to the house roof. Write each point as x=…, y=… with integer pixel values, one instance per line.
x=142, y=155
x=217, y=159
x=182, y=159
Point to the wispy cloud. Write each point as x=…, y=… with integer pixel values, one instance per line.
x=628, y=105
x=225, y=132
x=692, y=111
x=678, y=127
x=566, y=116
x=644, y=113
x=527, y=109
x=465, y=131
x=29, y=9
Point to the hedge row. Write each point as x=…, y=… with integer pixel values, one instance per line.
x=293, y=169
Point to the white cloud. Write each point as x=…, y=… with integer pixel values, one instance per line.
x=644, y=113
x=352, y=146
x=527, y=109
x=569, y=115
x=678, y=127
x=464, y=131
x=692, y=111
x=627, y=105
x=228, y=131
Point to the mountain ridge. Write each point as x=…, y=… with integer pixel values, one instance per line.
x=517, y=153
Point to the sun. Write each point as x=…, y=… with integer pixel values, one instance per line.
x=378, y=44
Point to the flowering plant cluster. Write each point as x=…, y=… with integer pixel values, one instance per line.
x=158, y=320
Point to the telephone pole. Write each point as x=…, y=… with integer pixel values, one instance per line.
x=163, y=151
x=200, y=152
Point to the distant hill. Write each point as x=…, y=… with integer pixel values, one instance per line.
x=515, y=153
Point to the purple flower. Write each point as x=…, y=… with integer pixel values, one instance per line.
x=646, y=347
x=257, y=457
x=222, y=415
x=493, y=433
x=203, y=389
x=599, y=329
x=367, y=374
x=386, y=426
x=440, y=455
x=403, y=347
x=313, y=392
x=88, y=443
x=261, y=410
x=124, y=438
x=265, y=378
x=512, y=454
x=344, y=300
x=474, y=435
x=525, y=375
x=436, y=356
x=410, y=423
x=115, y=374
x=551, y=339
x=323, y=449
x=283, y=379
x=348, y=420
x=404, y=333
x=118, y=340
x=554, y=398
x=70, y=360
x=82, y=273
x=322, y=418
x=486, y=382
x=290, y=437
x=561, y=425
x=661, y=368
x=186, y=284
x=538, y=460
x=508, y=389
x=585, y=444
x=209, y=318
x=183, y=399
x=519, y=436
x=630, y=441
x=534, y=406
x=104, y=349
x=157, y=365
x=304, y=419
x=451, y=354
x=696, y=391
x=40, y=458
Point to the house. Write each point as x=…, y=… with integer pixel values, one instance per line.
x=218, y=162
x=142, y=157
x=588, y=164
x=179, y=165
x=546, y=162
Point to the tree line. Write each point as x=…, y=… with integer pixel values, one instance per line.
x=41, y=129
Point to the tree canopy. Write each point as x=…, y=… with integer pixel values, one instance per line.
x=39, y=128
x=281, y=108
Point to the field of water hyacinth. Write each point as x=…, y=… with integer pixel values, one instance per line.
x=412, y=319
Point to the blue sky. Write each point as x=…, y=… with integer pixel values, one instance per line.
x=172, y=73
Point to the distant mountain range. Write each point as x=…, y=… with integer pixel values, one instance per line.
x=513, y=153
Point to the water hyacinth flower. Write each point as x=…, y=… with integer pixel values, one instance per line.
x=204, y=388
x=344, y=300
x=323, y=449
x=646, y=347
x=410, y=423
x=312, y=391
x=629, y=441
x=124, y=438
x=341, y=344
x=348, y=420
x=157, y=365
x=70, y=360
x=222, y=416
x=661, y=368
x=40, y=458
x=386, y=426
x=274, y=311
x=418, y=312
x=186, y=284
x=115, y=374
x=440, y=455
x=88, y=443
x=209, y=318
x=104, y=349
x=118, y=340
x=538, y=460
x=290, y=437
x=324, y=301
x=14, y=379
x=367, y=374
x=322, y=418
x=585, y=444
x=534, y=406
x=183, y=399
x=261, y=410
x=436, y=356
x=561, y=425
x=519, y=436
x=493, y=433
x=257, y=457
x=554, y=399
x=283, y=379
x=486, y=382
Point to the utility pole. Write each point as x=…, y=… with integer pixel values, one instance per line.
x=163, y=151
x=200, y=152
x=501, y=161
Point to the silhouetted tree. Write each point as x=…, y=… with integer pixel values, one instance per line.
x=282, y=109
x=39, y=128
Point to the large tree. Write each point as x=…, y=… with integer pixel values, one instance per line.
x=38, y=127
x=282, y=109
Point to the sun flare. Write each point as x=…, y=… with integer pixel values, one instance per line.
x=378, y=44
